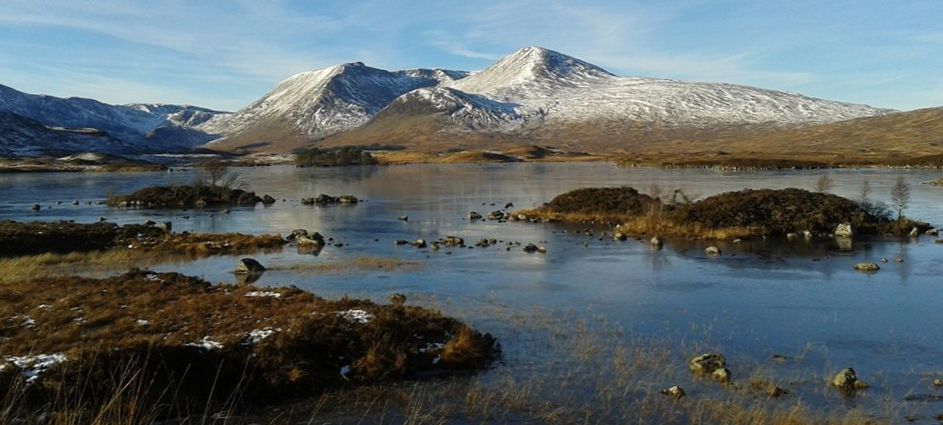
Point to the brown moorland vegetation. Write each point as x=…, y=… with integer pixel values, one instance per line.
x=34, y=249
x=749, y=212
x=189, y=346
x=30, y=238
x=185, y=196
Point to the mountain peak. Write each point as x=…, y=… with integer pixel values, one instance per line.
x=532, y=66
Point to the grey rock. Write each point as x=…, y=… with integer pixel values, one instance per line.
x=249, y=265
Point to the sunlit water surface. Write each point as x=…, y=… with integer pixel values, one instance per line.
x=756, y=300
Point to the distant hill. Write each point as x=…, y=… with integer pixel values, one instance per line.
x=38, y=125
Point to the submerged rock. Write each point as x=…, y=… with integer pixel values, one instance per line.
x=867, y=267
x=707, y=363
x=844, y=231
x=847, y=380
x=249, y=265
x=452, y=241
x=497, y=215
x=722, y=375
x=324, y=199
x=472, y=216
x=531, y=248
x=674, y=391
x=314, y=240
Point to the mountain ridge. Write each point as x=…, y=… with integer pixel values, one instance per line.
x=531, y=88
x=531, y=96
x=131, y=128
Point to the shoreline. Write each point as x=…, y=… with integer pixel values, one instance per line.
x=27, y=165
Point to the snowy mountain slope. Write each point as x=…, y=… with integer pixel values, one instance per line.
x=552, y=87
x=533, y=93
x=322, y=102
x=25, y=137
x=135, y=126
x=464, y=109
x=529, y=90
x=532, y=71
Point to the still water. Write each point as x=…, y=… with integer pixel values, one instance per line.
x=754, y=301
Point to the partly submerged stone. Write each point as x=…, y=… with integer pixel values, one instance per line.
x=656, y=242
x=707, y=363
x=844, y=230
x=674, y=391
x=847, y=380
x=722, y=375
x=867, y=267
x=248, y=266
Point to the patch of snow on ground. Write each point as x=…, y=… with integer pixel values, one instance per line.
x=356, y=316
x=206, y=343
x=263, y=294
x=34, y=366
x=257, y=335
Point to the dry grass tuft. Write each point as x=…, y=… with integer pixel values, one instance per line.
x=49, y=249
x=354, y=265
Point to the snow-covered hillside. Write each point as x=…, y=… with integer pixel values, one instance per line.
x=548, y=86
x=133, y=128
x=524, y=91
x=325, y=101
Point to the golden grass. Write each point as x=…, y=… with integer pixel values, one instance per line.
x=404, y=158
x=522, y=154
x=172, y=248
x=645, y=225
x=359, y=264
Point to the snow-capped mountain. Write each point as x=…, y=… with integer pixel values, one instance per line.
x=25, y=137
x=548, y=86
x=136, y=128
x=531, y=89
x=534, y=92
x=318, y=103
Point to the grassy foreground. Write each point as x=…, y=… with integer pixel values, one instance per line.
x=145, y=345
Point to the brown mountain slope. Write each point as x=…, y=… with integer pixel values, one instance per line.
x=895, y=139
x=903, y=138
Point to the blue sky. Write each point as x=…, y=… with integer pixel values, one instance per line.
x=225, y=54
